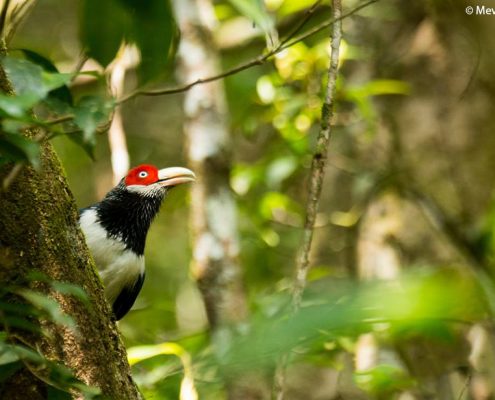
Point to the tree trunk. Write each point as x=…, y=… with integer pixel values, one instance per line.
x=214, y=216
x=39, y=232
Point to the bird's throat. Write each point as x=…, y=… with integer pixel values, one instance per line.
x=127, y=216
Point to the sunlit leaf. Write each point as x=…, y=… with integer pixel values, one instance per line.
x=255, y=11
x=431, y=295
x=7, y=355
x=140, y=353
x=383, y=379
x=279, y=170
x=292, y=6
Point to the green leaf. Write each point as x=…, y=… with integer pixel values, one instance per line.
x=13, y=126
x=31, y=84
x=102, y=27
x=21, y=323
x=74, y=290
x=91, y=112
x=16, y=147
x=53, y=81
x=27, y=354
x=383, y=379
x=7, y=355
x=255, y=11
x=292, y=6
x=49, y=305
x=25, y=76
x=16, y=308
x=62, y=93
x=154, y=32
x=150, y=25
x=17, y=106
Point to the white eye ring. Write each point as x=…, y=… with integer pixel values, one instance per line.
x=143, y=174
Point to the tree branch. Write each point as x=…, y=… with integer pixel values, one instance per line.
x=259, y=60
x=319, y=161
x=316, y=182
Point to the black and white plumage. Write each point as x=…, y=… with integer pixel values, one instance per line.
x=116, y=229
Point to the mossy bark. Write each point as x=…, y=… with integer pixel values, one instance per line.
x=39, y=231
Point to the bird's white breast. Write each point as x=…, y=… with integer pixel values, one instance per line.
x=118, y=266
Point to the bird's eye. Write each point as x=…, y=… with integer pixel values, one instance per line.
x=143, y=174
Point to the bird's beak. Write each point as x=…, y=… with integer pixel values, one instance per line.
x=175, y=176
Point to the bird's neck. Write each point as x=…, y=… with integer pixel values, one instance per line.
x=127, y=216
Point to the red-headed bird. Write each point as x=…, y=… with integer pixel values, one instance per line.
x=116, y=229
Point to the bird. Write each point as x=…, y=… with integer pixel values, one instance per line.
x=115, y=230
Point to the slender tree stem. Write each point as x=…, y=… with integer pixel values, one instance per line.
x=319, y=161
x=316, y=182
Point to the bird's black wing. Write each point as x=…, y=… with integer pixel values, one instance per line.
x=127, y=297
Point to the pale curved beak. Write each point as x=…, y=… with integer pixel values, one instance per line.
x=175, y=176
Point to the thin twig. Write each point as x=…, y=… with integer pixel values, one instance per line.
x=307, y=16
x=14, y=172
x=3, y=18
x=83, y=57
x=17, y=168
x=18, y=14
x=319, y=161
x=259, y=60
x=465, y=386
x=59, y=120
x=316, y=181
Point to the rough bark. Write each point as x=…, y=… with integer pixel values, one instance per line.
x=215, y=265
x=39, y=232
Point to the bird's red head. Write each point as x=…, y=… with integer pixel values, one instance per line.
x=148, y=176
x=144, y=174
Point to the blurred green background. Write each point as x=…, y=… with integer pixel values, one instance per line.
x=400, y=298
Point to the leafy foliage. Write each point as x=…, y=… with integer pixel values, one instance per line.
x=35, y=87
x=275, y=115
x=24, y=316
x=149, y=25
